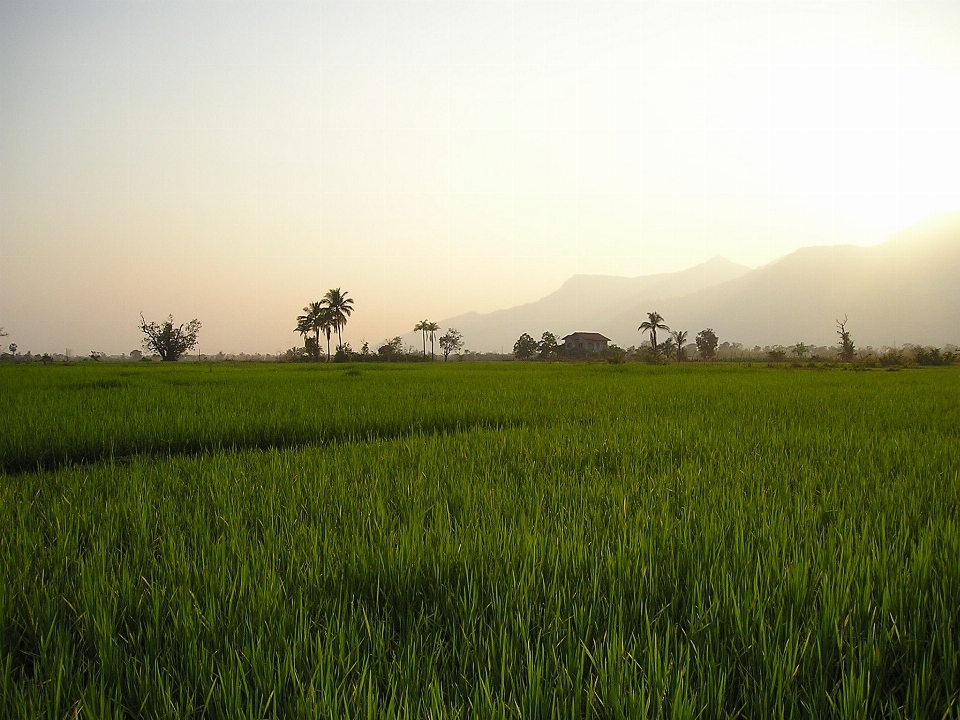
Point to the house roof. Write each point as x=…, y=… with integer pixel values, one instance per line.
x=596, y=337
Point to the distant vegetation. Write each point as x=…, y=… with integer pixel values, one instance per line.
x=707, y=347
x=322, y=319
x=326, y=316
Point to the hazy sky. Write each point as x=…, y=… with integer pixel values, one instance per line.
x=232, y=161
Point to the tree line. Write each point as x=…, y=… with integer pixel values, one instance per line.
x=330, y=314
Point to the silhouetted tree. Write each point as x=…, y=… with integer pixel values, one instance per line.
x=422, y=328
x=325, y=325
x=525, y=347
x=312, y=321
x=707, y=342
x=680, y=337
x=847, y=348
x=653, y=323
x=169, y=342
x=339, y=308
x=451, y=342
x=431, y=329
x=310, y=345
x=547, y=347
x=391, y=350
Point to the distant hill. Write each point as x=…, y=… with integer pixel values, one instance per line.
x=584, y=302
x=906, y=290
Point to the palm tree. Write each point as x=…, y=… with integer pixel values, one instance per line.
x=432, y=328
x=653, y=323
x=340, y=307
x=679, y=337
x=423, y=327
x=310, y=320
x=324, y=324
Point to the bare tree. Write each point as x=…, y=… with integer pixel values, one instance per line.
x=847, y=348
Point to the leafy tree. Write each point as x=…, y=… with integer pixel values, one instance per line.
x=800, y=350
x=847, y=348
x=707, y=342
x=548, y=347
x=391, y=350
x=13, y=348
x=339, y=309
x=680, y=337
x=525, y=347
x=167, y=341
x=667, y=349
x=451, y=342
x=653, y=323
x=776, y=354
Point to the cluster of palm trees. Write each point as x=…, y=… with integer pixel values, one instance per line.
x=427, y=328
x=326, y=316
x=655, y=322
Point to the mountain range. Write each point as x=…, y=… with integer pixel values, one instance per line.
x=905, y=290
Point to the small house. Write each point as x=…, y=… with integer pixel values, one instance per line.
x=581, y=342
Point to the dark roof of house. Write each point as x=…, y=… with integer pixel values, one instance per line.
x=586, y=336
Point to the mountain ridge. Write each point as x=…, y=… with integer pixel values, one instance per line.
x=904, y=290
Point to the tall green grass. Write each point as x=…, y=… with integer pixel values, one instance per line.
x=485, y=541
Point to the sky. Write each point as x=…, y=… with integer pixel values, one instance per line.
x=231, y=161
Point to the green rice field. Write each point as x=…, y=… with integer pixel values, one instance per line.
x=501, y=540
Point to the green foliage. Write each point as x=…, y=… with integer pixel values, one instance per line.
x=707, y=342
x=525, y=348
x=933, y=356
x=478, y=540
